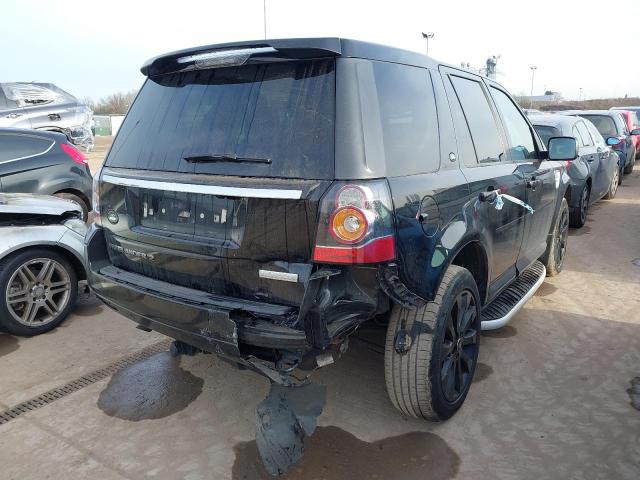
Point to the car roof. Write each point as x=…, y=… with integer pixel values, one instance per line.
x=589, y=112
x=39, y=133
x=553, y=120
x=301, y=48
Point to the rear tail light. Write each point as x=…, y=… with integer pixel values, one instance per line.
x=75, y=154
x=356, y=224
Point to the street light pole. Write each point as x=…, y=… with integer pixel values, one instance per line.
x=264, y=17
x=427, y=36
x=533, y=73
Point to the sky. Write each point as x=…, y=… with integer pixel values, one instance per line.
x=93, y=49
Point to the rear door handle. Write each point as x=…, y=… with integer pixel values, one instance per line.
x=14, y=115
x=54, y=116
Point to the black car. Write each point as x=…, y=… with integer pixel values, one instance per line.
x=42, y=162
x=610, y=124
x=264, y=199
x=596, y=171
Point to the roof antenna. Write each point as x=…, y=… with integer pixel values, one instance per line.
x=264, y=16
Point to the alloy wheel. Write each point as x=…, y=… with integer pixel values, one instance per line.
x=614, y=183
x=459, y=348
x=561, y=238
x=38, y=291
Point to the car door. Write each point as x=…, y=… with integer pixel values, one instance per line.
x=540, y=178
x=22, y=158
x=608, y=161
x=487, y=167
x=589, y=149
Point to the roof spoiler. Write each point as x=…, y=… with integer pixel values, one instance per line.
x=238, y=53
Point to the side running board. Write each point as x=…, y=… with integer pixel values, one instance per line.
x=500, y=312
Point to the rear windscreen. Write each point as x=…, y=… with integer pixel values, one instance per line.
x=263, y=120
x=546, y=132
x=605, y=125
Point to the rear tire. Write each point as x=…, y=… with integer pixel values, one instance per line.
x=554, y=257
x=613, y=186
x=75, y=199
x=35, y=299
x=578, y=217
x=431, y=352
x=629, y=168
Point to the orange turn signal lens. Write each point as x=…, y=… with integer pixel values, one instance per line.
x=348, y=225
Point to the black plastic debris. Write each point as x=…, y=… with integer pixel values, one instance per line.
x=284, y=419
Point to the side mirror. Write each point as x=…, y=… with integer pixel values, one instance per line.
x=613, y=141
x=563, y=148
x=635, y=131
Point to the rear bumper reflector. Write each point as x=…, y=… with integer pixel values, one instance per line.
x=205, y=189
x=377, y=250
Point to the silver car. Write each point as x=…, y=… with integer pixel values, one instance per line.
x=44, y=106
x=41, y=261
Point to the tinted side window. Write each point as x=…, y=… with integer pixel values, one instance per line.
x=408, y=118
x=466, y=150
x=13, y=147
x=479, y=117
x=584, y=134
x=520, y=137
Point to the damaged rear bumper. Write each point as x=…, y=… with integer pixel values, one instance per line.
x=335, y=302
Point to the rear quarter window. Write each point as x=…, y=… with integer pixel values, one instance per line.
x=408, y=118
x=15, y=147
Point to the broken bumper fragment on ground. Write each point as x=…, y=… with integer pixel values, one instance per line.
x=284, y=419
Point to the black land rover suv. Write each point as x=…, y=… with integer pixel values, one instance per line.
x=264, y=199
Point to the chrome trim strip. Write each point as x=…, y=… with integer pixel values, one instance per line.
x=205, y=189
x=501, y=322
x=282, y=276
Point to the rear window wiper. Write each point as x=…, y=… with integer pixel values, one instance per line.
x=225, y=158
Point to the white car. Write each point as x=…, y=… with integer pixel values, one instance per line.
x=41, y=261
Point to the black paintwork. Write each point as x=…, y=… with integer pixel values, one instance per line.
x=45, y=173
x=220, y=304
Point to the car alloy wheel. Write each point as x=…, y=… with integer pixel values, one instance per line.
x=561, y=238
x=459, y=347
x=38, y=291
x=614, y=183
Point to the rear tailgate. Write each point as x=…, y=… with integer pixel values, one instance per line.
x=216, y=174
x=215, y=235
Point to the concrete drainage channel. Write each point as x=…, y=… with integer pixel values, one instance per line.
x=57, y=393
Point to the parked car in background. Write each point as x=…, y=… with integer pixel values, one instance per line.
x=610, y=123
x=268, y=237
x=44, y=106
x=43, y=162
x=596, y=171
x=41, y=261
x=633, y=125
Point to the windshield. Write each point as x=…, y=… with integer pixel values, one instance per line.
x=266, y=120
x=546, y=132
x=605, y=125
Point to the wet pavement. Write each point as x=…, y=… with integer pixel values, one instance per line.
x=556, y=394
